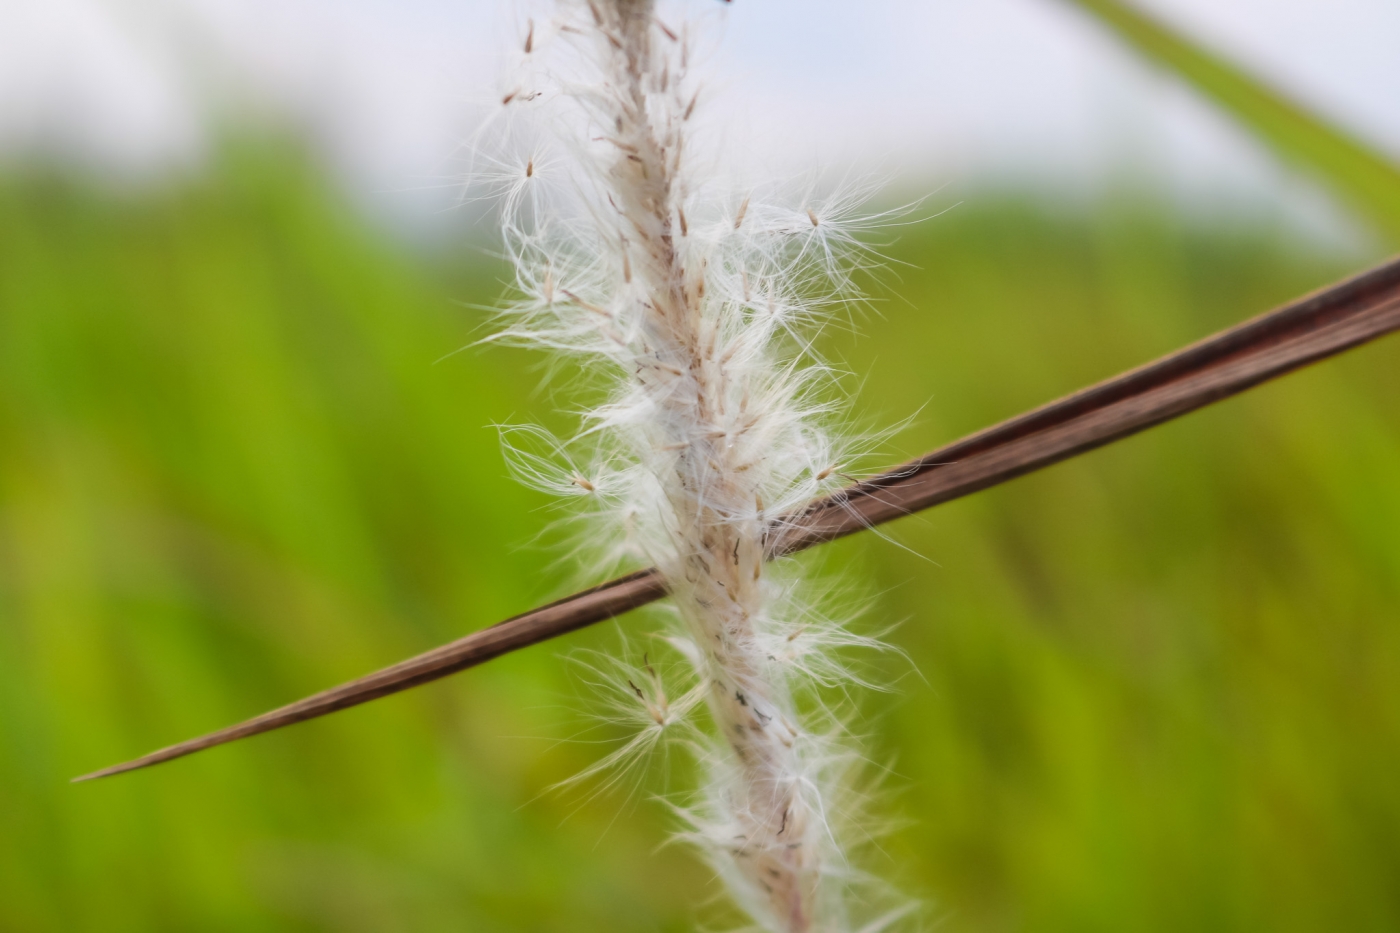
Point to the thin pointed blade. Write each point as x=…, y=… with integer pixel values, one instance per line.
x=1331, y=321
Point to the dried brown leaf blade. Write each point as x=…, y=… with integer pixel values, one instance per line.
x=1313, y=328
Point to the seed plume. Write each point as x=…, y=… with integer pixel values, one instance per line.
x=717, y=419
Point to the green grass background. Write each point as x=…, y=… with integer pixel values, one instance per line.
x=1158, y=687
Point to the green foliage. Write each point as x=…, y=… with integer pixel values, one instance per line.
x=1368, y=181
x=1156, y=685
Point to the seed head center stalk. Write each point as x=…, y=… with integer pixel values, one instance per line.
x=718, y=512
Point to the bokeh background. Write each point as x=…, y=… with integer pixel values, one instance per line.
x=1154, y=688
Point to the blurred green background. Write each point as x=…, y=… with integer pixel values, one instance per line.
x=1157, y=686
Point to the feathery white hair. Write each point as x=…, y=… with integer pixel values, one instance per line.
x=693, y=303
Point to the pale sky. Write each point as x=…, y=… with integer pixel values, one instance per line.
x=946, y=91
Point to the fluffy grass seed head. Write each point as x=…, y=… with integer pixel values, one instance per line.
x=690, y=304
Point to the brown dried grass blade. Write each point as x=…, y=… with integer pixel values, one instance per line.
x=1313, y=328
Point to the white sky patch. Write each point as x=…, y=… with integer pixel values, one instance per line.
x=948, y=91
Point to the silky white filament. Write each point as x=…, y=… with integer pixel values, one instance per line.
x=692, y=305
